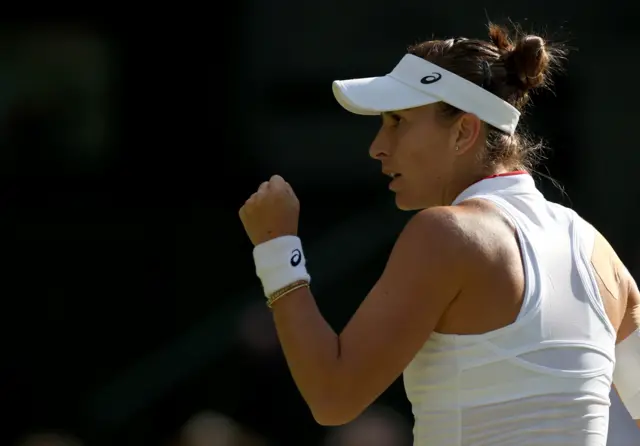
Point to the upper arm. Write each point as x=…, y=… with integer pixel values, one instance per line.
x=621, y=299
x=617, y=288
x=631, y=319
x=423, y=275
x=625, y=375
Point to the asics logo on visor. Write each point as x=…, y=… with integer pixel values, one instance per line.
x=430, y=79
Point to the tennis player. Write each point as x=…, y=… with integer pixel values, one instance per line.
x=510, y=316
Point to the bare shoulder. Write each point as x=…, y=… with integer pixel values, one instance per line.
x=445, y=229
x=458, y=236
x=611, y=274
x=617, y=287
x=428, y=255
x=424, y=274
x=456, y=227
x=472, y=226
x=441, y=225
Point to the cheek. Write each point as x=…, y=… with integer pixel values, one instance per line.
x=425, y=154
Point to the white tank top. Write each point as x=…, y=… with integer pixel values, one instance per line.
x=543, y=380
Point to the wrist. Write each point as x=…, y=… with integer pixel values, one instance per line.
x=280, y=262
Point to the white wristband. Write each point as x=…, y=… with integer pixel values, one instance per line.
x=280, y=262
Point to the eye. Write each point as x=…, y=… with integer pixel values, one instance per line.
x=393, y=119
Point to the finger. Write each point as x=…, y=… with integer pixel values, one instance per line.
x=250, y=201
x=263, y=187
x=289, y=189
x=277, y=181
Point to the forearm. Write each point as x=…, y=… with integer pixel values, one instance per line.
x=310, y=345
x=311, y=348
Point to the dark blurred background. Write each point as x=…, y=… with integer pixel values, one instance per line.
x=132, y=315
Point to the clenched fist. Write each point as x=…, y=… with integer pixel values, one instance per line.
x=271, y=212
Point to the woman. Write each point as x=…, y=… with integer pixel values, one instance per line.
x=502, y=309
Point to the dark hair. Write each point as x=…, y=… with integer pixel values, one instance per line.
x=507, y=69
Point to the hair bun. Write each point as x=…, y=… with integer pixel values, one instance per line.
x=530, y=61
x=500, y=38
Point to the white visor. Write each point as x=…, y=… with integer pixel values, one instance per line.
x=415, y=82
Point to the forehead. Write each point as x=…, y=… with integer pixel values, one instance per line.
x=425, y=111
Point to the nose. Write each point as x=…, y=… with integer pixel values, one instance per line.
x=380, y=146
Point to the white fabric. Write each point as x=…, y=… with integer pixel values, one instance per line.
x=623, y=431
x=280, y=262
x=626, y=375
x=546, y=378
x=415, y=82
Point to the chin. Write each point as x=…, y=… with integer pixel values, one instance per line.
x=413, y=202
x=406, y=205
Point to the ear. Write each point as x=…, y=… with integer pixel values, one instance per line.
x=468, y=129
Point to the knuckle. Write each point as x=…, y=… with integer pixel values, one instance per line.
x=250, y=201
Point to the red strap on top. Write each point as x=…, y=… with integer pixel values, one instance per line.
x=504, y=174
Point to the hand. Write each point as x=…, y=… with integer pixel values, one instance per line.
x=271, y=212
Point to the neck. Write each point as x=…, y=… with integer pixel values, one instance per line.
x=465, y=181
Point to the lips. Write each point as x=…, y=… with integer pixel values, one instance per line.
x=391, y=174
x=393, y=184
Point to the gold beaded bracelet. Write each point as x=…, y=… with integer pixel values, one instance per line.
x=273, y=297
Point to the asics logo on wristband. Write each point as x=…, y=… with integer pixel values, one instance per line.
x=296, y=257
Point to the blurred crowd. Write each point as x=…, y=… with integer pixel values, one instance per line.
x=379, y=426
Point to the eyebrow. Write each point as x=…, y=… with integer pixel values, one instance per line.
x=390, y=113
x=397, y=112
